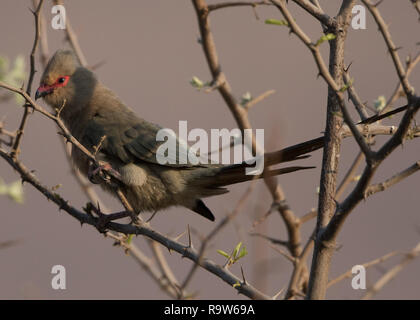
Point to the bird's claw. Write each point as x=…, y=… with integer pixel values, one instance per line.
x=102, y=173
x=101, y=219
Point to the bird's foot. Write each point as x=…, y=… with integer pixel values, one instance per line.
x=102, y=219
x=102, y=173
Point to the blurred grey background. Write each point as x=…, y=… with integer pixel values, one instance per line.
x=151, y=52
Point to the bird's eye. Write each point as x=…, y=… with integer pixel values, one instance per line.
x=61, y=80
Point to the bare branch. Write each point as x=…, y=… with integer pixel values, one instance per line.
x=392, y=273
x=393, y=180
x=313, y=8
x=258, y=99
x=71, y=35
x=402, y=75
x=349, y=175
x=19, y=135
x=369, y=264
x=223, y=5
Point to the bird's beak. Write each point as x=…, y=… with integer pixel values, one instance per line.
x=43, y=90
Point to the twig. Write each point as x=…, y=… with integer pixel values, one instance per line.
x=354, y=97
x=393, y=180
x=411, y=64
x=19, y=135
x=73, y=39
x=383, y=28
x=392, y=273
x=416, y=4
x=349, y=175
x=43, y=36
x=223, y=5
x=314, y=9
x=165, y=268
x=308, y=216
x=369, y=264
x=258, y=99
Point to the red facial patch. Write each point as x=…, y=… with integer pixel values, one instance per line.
x=60, y=82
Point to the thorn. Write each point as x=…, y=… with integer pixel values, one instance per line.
x=348, y=67
x=243, y=276
x=61, y=206
x=151, y=217
x=190, y=245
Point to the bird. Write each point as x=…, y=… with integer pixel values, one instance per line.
x=103, y=124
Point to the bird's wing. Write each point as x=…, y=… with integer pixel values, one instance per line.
x=128, y=138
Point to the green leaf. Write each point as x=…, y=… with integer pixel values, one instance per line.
x=326, y=37
x=129, y=239
x=56, y=187
x=246, y=97
x=14, y=191
x=346, y=86
x=4, y=67
x=223, y=254
x=15, y=76
x=236, y=250
x=277, y=22
x=197, y=83
x=243, y=253
x=380, y=103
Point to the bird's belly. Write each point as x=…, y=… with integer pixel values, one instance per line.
x=147, y=189
x=151, y=195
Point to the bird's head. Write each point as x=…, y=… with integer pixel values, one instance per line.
x=56, y=83
x=66, y=83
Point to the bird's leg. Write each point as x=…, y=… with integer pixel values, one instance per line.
x=96, y=174
x=104, y=219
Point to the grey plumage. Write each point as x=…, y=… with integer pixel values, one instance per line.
x=91, y=111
